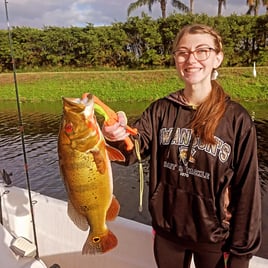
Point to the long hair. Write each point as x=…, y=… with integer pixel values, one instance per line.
x=209, y=113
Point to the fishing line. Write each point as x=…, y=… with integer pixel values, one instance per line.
x=21, y=129
x=137, y=148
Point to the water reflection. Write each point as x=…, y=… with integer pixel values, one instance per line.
x=40, y=134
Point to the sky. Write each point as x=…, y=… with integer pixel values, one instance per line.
x=66, y=13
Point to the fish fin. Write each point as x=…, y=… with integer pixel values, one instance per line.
x=99, y=244
x=113, y=210
x=78, y=219
x=99, y=161
x=114, y=154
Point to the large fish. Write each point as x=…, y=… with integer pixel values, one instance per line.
x=84, y=160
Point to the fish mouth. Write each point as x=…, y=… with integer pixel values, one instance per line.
x=79, y=113
x=77, y=104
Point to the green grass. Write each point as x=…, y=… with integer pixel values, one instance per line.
x=126, y=86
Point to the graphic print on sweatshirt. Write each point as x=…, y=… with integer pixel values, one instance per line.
x=183, y=140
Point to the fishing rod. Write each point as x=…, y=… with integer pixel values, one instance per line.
x=21, y=128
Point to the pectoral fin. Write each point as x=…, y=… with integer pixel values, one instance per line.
x=114, y=154
x=99, y=161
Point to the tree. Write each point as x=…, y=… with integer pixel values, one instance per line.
x=191, y=6
x=163, y=5
x=265, y=3
x=254, y=6
x=220, y=4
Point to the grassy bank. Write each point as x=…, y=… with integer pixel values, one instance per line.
x=126, y=85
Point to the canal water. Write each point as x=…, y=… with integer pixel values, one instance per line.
x=41, y=124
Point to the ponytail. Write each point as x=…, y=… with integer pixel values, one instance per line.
x=209, y=113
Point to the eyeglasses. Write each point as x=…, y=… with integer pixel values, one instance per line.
x=200, y=54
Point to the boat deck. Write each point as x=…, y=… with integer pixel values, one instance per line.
x=60, y=241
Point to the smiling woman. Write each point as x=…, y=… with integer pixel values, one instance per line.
x=199, y=167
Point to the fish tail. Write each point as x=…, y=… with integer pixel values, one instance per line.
x=99, y=244
x=113, y=210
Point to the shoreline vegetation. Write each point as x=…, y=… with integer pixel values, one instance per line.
x=126, y=86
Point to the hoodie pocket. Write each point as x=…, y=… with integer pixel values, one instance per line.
x=194, y=217
x=159, y=207
x=188, y=215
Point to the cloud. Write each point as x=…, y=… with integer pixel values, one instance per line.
x=40, y=13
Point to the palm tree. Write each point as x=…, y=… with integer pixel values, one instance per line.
x=265, y=3
x=163, y=4
x=253, y=6
x=220, y=4
x=191, y=6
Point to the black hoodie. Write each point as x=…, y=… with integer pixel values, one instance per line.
x=199, y=194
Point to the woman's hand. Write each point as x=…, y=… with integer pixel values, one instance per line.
x=117, y=131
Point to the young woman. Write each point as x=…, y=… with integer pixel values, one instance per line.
x=204, y=195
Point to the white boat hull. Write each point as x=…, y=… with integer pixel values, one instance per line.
x=60, y=241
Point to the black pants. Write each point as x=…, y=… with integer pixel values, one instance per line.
x=171, y=255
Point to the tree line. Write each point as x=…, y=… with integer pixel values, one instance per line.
x=138, y=43
x=253, y=5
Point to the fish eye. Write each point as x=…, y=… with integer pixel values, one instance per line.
x=68, y=128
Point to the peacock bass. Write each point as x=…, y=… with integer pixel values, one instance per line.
x=84, y=160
